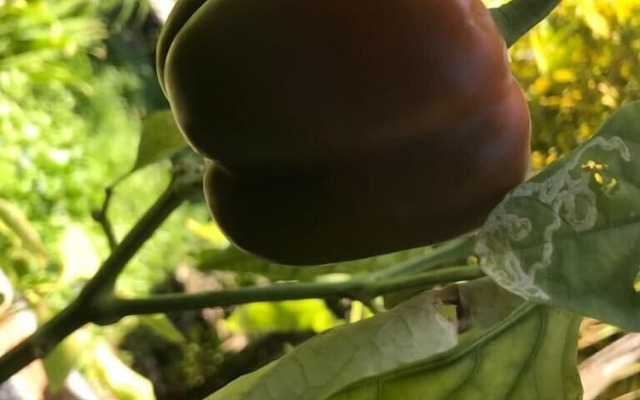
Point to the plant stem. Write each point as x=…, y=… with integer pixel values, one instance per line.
x=102, y=218
x=452, y=251
x=105, y=279
x=42, y=341
x=96, y=302
x=517, y=17
x=427, y=279
x=89, y=305
x=358, y=288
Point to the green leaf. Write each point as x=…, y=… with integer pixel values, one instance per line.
x=59, y=363
x=571, y=235
x=234, y=259
x=122, y=381
x=78, y=255
x=163, y=326
x=483, y=303
x=210, y=232
x=6, y=292
x=18, y=223
x=282, y=316
x=517, y=17
x=529, y=356
x=159, y=139
x=415, y=330
x=410, y=353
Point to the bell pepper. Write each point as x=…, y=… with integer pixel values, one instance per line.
x=343, y=129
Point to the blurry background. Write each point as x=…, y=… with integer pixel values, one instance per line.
x=77, y=79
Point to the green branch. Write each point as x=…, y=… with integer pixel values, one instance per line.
x=88, y=306
x=105, y=279
x=96, y=303
x=517, y=17
x=453, y=251
x=102, y=218
x=43, y=341
x=358, y=288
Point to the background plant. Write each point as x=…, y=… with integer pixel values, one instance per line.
x=70, y=112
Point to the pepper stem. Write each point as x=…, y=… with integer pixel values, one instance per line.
x=517, y=17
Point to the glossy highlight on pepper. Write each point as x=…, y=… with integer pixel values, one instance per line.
x=343, y=129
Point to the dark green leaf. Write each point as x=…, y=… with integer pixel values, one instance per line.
x=571, y=235
x=517, y=17
x=234, y=259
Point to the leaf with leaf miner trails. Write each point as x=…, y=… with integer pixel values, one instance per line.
x=570, y=236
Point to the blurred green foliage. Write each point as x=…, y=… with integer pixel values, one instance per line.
x=576, y=68
x=66, y=128
x=71, y=103
x=282, y=316
x=70, y=114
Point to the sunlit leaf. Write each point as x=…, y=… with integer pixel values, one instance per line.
x=538, y=48
x=159, y=139
x=597, y=22
x=79, y=257
x=6, y=292
x=163, y=327
x=17, y=222
x=283, y=316
x=550, y=48
x=625, y=9
x=325, y=364
x=564, y=75
x=59, y=363
x=209, y=232
x=571, y=236
x=122, y=381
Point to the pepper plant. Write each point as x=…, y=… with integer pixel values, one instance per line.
x=494, y=312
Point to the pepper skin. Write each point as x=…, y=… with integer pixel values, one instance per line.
x=343, y=129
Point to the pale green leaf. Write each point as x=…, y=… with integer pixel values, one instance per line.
x=210, y=232
x=410, y=354
x=163, y=327
x=325, y=364
x=570, y=236
x=531, y=355
x=6, y=292
x=159, y=139
x=79, y=257
x=483, y=303
x=17, y=222
x=59, y=363
x=122, y=381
